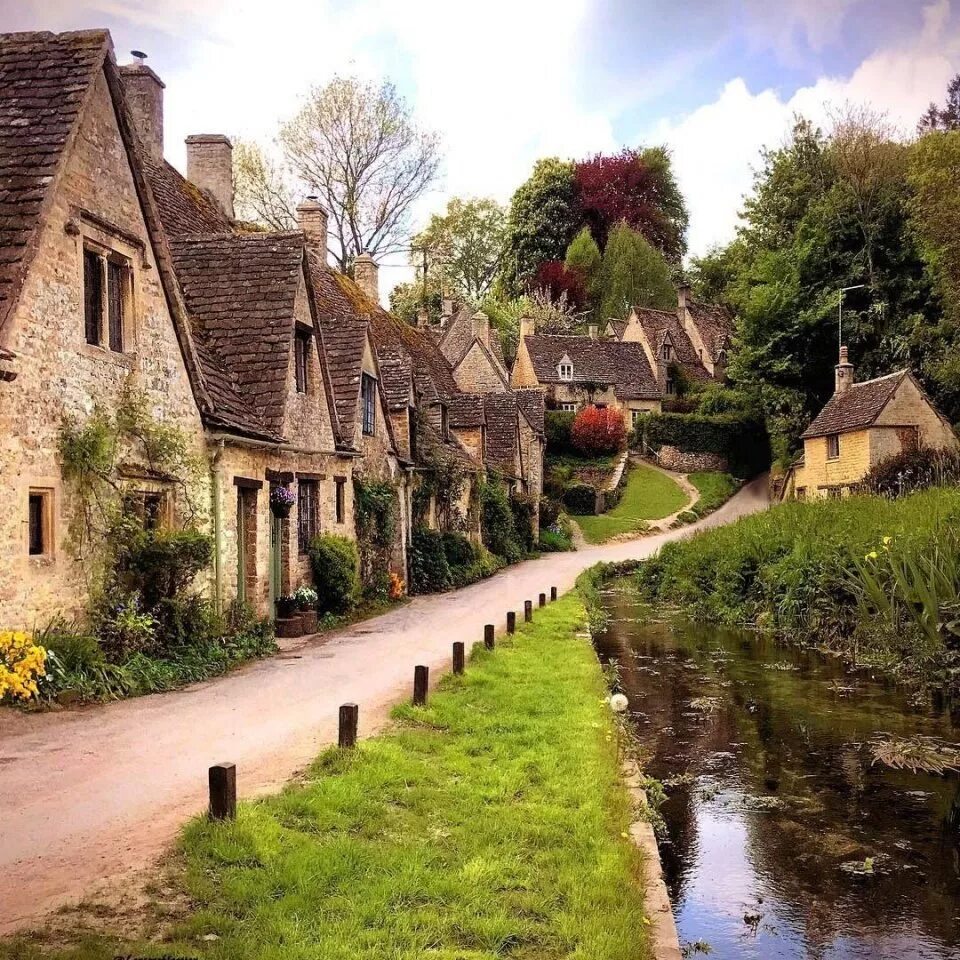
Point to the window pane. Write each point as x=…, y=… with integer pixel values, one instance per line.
x=152, y=510
x=307, y=514
x=115, y=280
x=300, y=361
x=367, y=391
x=92, y=296
x=36, y=524
x=341, y=507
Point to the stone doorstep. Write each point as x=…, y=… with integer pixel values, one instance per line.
x=665, y=942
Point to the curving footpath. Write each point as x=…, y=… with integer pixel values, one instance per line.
x=93, y=796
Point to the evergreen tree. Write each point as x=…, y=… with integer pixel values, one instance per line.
x=632, y=273
x=583, y=256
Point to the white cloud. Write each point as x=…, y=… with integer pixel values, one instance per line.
x=717, y=146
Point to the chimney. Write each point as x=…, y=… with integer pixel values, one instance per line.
x=844, y=369
x=210, y=167
x=481, y=327
x=312, y=220
x=683, y=295
x=367, y=274
x=423, y=318
x=528, y=326
x=143, y=92
x=594, y=331
x=447, y=310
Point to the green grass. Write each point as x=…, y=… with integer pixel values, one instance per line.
x=649, y=495
x=714, y=488
x=488, y=824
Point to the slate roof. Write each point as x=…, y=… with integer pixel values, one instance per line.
x=714, y=324
x=656, y=323
x=532, y=406
x=44, y=78
x=457, y=333
x=857, y=407
x=619, y=326
x=396, y=373
x=431, y=447
x=624, y=366
x=500, y=411
x=466, y=410
x=240, y=291
x=185, y=210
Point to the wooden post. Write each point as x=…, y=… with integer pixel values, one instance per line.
x=348, y=725
x=553, y=594
x=421, y=680
x=223, y=791
x=511, y=621
x=458, y=658
x=527, y=610
x=489, y=632
x=543, y=599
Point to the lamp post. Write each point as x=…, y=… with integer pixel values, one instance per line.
x=843, y=290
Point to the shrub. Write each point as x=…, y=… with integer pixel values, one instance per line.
x=549, y=512
x=557, y=425
x=580, y=499
x=496, y=522
x=162, y=563
x=556, y=538
x=22, y=663
x=522, y=507
x=336, y=572
x=182, y=621
x=598, y=430
x=121, y=624
x=458, y=549
x=913, y=470
x=429, y=570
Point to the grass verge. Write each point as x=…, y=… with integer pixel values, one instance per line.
x=649, y=495
x=714, y=489
x=490, y=823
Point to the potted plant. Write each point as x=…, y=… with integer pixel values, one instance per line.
x=286, y=606
x=306, y=598
x=281, y=501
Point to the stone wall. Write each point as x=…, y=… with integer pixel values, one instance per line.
x=670, y=458
x=476, y=374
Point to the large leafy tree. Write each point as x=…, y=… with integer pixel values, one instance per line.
x=544, y=217
x=946, y=117
x=357, y=147
x=632, y=273
x=262, y=193
x=636, y=187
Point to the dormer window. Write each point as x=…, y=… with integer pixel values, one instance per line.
x=565, y=371
x=666, y=352
x=444, y=422
x=301, y=356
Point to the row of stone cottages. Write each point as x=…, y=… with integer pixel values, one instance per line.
x=120, y=278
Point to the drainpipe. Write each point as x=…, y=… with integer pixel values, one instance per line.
x=217, y=505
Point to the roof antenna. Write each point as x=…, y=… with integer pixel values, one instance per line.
x=139, y=56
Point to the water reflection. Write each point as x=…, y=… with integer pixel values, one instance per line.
x=783, y=839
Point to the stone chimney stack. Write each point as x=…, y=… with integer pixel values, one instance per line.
x=844, y=370
x=481, y=327
x=143, y=92
x=446, y=311
x=367, y=275
x=683, y=295
x=594, y=331
x=210, y=167
x=312, y=220
x=528, y=326
x=423, y=318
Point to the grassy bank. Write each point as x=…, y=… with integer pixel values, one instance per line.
x=490, y=823
x=877, y=579
x=648, y=495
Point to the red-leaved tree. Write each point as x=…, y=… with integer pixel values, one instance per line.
x=554, y=277
x=598, y=430
x=638, y=187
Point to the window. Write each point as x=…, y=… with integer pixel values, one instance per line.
x=40, y=523
x=833, y=446
x=671, y=387
x=801, y=493
x=666, y=352
x=568, y=407
x=635, y=416
x=368, y=395
x=308, y=513
x=104, y=317
x=301, y=343
x=412, y=430
x=565, y=371
x=444, y=422
x=341, y=499
x=152, y=511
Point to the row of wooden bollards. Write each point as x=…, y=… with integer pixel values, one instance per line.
x=222, y=777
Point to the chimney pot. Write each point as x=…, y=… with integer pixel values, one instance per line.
x=423, y=318
x=210, y=167
x=312, y=220
x=367, y=275
x=481, y=326
x=528, y=326
x=594, y=331
x=143, y=93
x=844, y=373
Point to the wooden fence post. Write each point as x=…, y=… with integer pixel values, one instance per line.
x=458, y=658
x=488, y=636
x=421, y=680
x=527, y=610
x=222, y=779
x=347, y=736
x=553, y=594
x=511, y=622
x=543, y=599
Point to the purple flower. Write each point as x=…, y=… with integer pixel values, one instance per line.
x=281, y=497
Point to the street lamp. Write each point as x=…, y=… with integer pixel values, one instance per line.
x=843, y=290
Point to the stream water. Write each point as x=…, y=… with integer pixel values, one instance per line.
x=783, y=839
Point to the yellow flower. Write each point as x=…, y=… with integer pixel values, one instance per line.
x=22, y=663
x=872, y=555
x=886, y=540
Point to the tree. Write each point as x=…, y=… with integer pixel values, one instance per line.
x=407, y=300
x=598, y=430
x=632, y=273
x=544, y=217
x=636, y=187
x=583, y=259
x=946, y=117
x=464, y=246
x=555, y=280
x=355, y=145
x=261, y=194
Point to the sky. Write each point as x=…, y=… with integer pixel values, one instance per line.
x=505, y=82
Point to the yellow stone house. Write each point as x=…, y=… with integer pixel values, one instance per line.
x=862, y=424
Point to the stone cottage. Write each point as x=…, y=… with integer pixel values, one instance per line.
x=862, y=424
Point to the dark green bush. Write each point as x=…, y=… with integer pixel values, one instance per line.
x=549, y=512
x=557, y=425
x=522, y=507
x=181, y=621
x=162, y=563
x=580, y=499
x=429, y=570
x=496, y=522
x=336, y=573
x=913, y=470
x=458, y=550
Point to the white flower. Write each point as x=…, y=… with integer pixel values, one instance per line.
x=619, y=703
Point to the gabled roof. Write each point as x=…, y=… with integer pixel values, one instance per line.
x=857, y=407
x=466, y=410
x=44, y=82
x=532, y=406
x=431, y=447
x=396, y=374
x=500, y=411
x=623, y=366
x=713, y=323
x=657, y=325
x=491, y=358
x=240, y=291
x=457, y=333
x=185, y=210
x=618, y=327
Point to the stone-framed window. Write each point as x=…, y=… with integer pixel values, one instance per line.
x=412, y=431
x=107, y=298
x=151, y=507
x=833, y=446
x=40, y=522
x=444, y=422
x=341, y=499
x=565, y=371
x=368, y=404
x=568, y=407
x=308, y=513
x=671, y=388
x=666, y=351
x=301, y=357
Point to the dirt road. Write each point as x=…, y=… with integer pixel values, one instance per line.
x=94, y=795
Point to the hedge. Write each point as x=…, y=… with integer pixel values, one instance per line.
x=581, y=499
x=557, y=425
x=742, y=440
x=336, y=572
x=429, y=569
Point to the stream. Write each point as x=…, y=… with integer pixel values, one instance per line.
x=783, y=838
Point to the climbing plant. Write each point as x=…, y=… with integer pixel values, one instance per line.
x=375, y=512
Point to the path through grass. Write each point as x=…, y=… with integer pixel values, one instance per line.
x=649, y=495
x=491, y=823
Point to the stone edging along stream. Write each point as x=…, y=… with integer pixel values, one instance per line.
x=664, y=940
